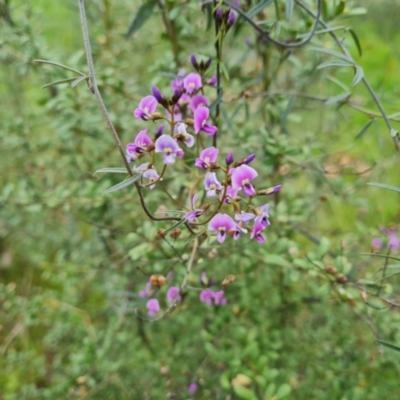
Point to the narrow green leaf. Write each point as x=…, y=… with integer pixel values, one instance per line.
x=113, y=170
x=143, y=14
x=356, y=41
x=79, y=80
x=332, y=53
x=358, y=75
x=289, y=9
x=195, y=236
x=394, y=266
x=394, y=133
x=386, y=344
x=123, y=184
x=181, y=222
x=335, y=63
x=216, y=101
x=59, y=65
x=224, y=70
x=58, y=82
x=336, y=99
x=382, y=185
x=364, y=128
x=259, y=7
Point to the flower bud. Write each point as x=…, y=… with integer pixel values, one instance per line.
x=207, y=64
x=193, y=60
x=341, y=278
x=158, y=280
x=228, y=280
x=158, y=95
x=250, y=158
x=229, y=159
x=159, y=132
x=330, y=269
x=271, y=190
x=231, y=18
x=219, y=14
x=176, y=96
x=212, y=81
x=160, y=234
x=175, y=233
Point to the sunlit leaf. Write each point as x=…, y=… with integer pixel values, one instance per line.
x=332, y=53
x=113, y=170
x=336, y=99
x=78, y=81
x=386, y=344
x=358, y=75
x=59, y=65
x=335, y=63
x=356, y=41
x=60, y=82
x=259, y=7
x=289, y=9
x=364, y=128
x=384, y=186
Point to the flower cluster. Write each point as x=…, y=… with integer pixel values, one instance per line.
x=392, y=238
x=226, y=208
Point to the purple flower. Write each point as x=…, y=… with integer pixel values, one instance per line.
x=192, y=388
x=219, y=13
x=194, y=62
x=256, y=232
x=230, y=194
x=146, y=291
x=139, y=146
x=198, y=101
x=211, y=184
x=177, y=83
x=262, y=215
x=238, y=231
x=394, y=241
x=146, y=107
x=158, y=95
x=152, y=176
x=173, y=294
x=196, y=212
x=241, y=178
x=141, y=168
x=249, y=158
x=213, y=80
x=192, y=82
x=229, y=159
x=187, y=138
x=200, y=118
x=207, y=157
x=244, y=217
x=219, y=297
x=376, y=244
x=153, y=307
x=167, y=145
x=222, y=223
x=207, y=296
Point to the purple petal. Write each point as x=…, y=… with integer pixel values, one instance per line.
x=194, y=200
x=153, y=307
x=207, y=296
x=243, y=175
x=148, y=104
x=198, y=101
x=244, y=217
x=219, y=297
x=142, y=139
x=166, y=143
x=200, y=117
x=249, y=190
x=209, y=129
x=192, y=82
x=173, y=294
x=221, y=221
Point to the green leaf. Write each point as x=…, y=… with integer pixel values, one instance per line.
x=59, y=65
x=283, y=391
x=143, y=14
x=289, y=9
x=364, y=128
x=335, y=63
x=332, y=53
x=382, y=185
x=336, y=99
x=79, y=80
x=340, y=8
x=244, y=393
x=258, y=8
x=181, y=222
x=113, y=170
x=216, y=101
x=275, y=259
x=58, y=82
x=125, y=183
x=386, y=344
x=356, y=41
x=224, y=70
x=358, y=75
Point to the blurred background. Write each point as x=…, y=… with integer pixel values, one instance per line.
x=73, y=259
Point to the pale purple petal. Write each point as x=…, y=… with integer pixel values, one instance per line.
x=241, y=178
x=219, y=297
x=200, y=117
x=173, y=294
x=209, y=129
x=244, y=217
x=152, y=175
x=146, y=107
x=207, y=157
x=192, y=82
x=207, y=296
x=257, y=232
x=194, y=200
x=142, y=139
x=198, y=101
x=211, y=184
x=377, y=243
x=153, y=307
x=192, y=388
x=167, y=145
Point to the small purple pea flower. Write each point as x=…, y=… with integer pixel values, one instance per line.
x=192, y=82
x=263, y=215
x=152, y=176
x=196, y=212
x=230, y=194
x=207, y=296
x=222, y=223
x=244, y=217
x=394, y=240
x=249, y=158
x=167, y=145
x=153, y=307
x=241, y=178
x=219, y=297
x=212, y=81
x=256, y=232
x=192, y=388
x=139, y=146
x=238, y=231
x=376, y=244
x=231, y=18
x=177, y=83
x=207, y=157
x=200, y=118
x=173, y=294
x=211, y=184
x=229, y=159
x=146, y=107
x=194, y=62
x=187, y=138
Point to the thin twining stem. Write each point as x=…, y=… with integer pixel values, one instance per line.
x=218, y=43
x=266, y=33
x=96, y=92
x=366, y=83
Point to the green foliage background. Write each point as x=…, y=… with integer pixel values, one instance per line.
x=73, y=259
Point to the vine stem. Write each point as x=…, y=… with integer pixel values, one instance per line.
x=95, y=90
x=218, y=44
